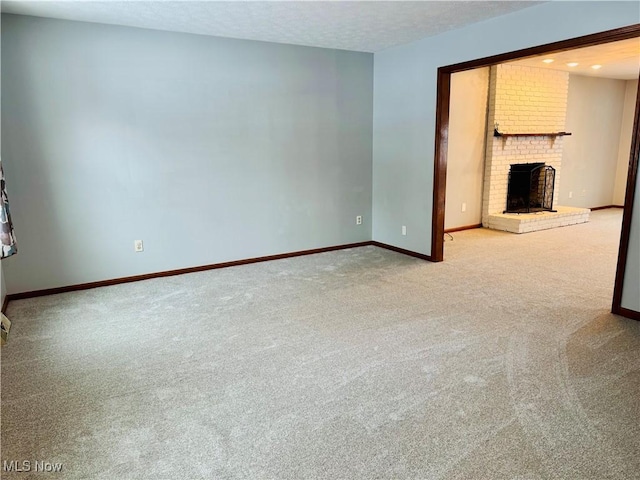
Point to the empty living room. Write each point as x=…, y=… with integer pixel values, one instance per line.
x=224, y=248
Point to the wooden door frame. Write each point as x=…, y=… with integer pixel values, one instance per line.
x=442, y=137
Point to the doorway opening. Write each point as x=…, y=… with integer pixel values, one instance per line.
x=442, y=133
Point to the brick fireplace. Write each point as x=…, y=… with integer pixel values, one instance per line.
x=528, y=106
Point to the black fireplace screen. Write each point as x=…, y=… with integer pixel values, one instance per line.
x=530, y=188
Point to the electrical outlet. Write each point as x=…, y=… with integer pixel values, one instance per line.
x=404, y=229
x=359, y=220
x=570, y=194
x=138, y=246
x=583, y=193
x=464, y=207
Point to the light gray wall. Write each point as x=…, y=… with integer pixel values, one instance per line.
x=208, y=149
x=590, y=155
x=465, y=157
x=405, y=102
x=626, y=133
x=631, y=285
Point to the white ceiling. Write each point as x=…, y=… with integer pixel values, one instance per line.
x=366, y=26
x=619, y=60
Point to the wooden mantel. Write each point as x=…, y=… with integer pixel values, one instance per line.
x=496, y=133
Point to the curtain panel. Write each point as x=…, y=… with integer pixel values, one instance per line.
x=7, y=237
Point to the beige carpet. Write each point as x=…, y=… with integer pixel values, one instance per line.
x=501, y=362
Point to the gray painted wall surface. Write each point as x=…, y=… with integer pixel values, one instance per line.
x=405, y=102
x=207, y=149
x=631, y=285
x=590, y=155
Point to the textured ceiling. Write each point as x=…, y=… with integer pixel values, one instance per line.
x=619, y=60
x=349, y=25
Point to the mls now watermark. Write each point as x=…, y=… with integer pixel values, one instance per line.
x=29, y=466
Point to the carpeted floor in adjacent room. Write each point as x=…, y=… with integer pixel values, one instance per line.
x=501, y=362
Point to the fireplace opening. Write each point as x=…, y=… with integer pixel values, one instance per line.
x=530, y=188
